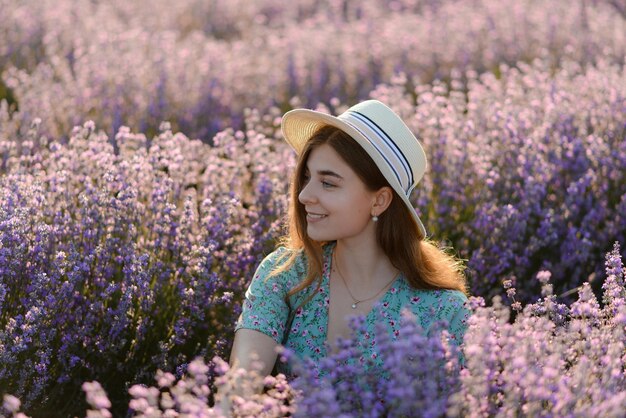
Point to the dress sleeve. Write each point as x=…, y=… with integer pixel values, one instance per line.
x=459, y=323
x=264, y=308
x=451, y=306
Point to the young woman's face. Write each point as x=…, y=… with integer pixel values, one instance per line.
x=337, y=203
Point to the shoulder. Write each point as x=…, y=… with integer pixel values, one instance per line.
x=274, y=258
x=455, y=311
x=452, y=297
x=284, y=258
x=444, y=303
x=437, y=296
x=452, y=306
x=283, y=265
x=451, y=301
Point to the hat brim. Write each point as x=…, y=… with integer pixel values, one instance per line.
x=299, y=125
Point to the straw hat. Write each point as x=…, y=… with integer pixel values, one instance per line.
x=382, y=134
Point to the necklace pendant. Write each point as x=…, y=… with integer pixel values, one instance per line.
x=354, y=306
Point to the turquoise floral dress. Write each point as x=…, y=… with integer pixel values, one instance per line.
x=264, y=309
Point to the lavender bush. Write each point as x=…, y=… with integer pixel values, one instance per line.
x=552, y=360
x=115, y=264
x=199, y=64
x=121, y=257
x=419, y=373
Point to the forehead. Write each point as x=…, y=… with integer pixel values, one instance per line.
x=324, y=157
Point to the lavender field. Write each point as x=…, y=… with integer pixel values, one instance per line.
x=143, y=177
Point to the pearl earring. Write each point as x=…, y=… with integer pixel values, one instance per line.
x=374, y=218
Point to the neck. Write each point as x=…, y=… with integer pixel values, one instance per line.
x=364, y=263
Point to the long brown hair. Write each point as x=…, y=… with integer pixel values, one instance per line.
x=423, y=264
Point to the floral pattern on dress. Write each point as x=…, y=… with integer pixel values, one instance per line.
x=264, y=309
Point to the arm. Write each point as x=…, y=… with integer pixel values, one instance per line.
x=258, y=331
x=261, y=325
x=249, y=342
x=249, y=347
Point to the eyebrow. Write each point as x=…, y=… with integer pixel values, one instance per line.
x=327, y=173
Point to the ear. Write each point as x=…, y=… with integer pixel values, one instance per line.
x=382, y=200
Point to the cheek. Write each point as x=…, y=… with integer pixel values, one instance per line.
x=358, y=209
x=361, y=212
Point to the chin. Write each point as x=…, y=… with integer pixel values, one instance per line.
x=320, y=236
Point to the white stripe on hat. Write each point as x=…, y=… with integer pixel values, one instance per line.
x=389, y=141
x=385, y=146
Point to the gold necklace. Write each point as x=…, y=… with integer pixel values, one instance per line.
x=355, y=300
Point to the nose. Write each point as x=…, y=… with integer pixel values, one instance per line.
x=306, y=195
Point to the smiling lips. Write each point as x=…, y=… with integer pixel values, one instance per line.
x=314, y=217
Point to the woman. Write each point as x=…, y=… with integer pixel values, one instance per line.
x=355, y=244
